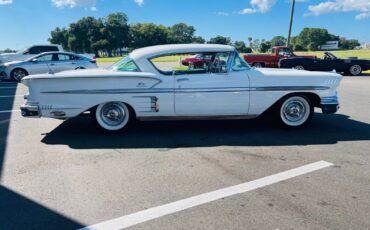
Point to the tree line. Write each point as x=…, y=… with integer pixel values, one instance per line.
x=113, y=35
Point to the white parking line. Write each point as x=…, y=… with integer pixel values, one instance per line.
x=10, y=111
x=167, y=209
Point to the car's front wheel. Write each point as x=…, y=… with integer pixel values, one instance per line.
x=113, y=116
x=299, y=67
x=294, y=111
x=355, y=70
x=18, y=74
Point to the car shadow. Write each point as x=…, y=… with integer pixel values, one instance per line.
x=79, y=133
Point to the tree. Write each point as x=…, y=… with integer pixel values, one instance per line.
x=278, y=41
x=256, y=44
x=265, y=46
x=181, y=33
x=148, y=34
x=198, y=39
x=59, y=36
x=348, y=44
x=220, y=40
x=250, y=39
x=116, y=31
x=240, y=46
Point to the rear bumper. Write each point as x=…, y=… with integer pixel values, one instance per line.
x=329, y=104
x=30, y=111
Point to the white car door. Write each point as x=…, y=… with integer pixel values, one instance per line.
x=218, y=92
x=42, y=64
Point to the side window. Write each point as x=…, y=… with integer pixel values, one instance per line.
x=239, y=64
x=45, y=58
x=284, y=52
x=34, y=50
x=64, y=57
x=125, y=65
x=191, y=63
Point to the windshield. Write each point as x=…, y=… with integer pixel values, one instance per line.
x=126, y=64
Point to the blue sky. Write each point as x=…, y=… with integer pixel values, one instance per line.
x=26, y=22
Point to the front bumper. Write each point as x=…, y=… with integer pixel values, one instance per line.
x=329, y=104
x=30, y=111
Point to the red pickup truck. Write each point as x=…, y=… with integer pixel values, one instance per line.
x=271, y=60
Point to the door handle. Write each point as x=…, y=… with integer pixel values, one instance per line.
x=73, y=63
x=51, y=64
x=182, y=79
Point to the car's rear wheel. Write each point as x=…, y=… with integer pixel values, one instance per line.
x=18, y=74
x=355, y=70
x=294, y=111
x=258, y=65
x=113, y=116
x=299, y=67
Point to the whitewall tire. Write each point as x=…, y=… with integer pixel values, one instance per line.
x=113, y=116
x=295, y=111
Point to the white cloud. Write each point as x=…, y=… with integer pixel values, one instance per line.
x=4, y=2
x=139, y=2
x=221, y=13
x=248, y=11
x=335, y=6
x=74, y=3
x=261, y=6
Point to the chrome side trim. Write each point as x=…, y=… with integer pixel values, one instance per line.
x=176, y=118
x=189, y=90
x=289, y=88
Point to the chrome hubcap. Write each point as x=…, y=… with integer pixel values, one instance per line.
x=295, y=111
x=356, y=69
x=112, y=114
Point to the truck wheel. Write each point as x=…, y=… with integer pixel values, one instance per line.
x=355, y=70
x=258, y=65
x=294, y=111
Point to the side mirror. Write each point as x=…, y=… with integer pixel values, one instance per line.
x=26, y=52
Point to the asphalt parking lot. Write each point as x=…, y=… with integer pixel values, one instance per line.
x=67, y=175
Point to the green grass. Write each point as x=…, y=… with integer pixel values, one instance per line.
x=108, y=59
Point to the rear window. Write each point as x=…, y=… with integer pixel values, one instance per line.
x=48, y=48
x=125, y=65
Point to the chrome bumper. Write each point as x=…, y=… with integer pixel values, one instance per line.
x=329, y=104
x=30, y=111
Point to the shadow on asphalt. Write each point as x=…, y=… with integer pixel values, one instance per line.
x=79, y=133
x=17, y=211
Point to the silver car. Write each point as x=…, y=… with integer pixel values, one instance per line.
x=49, y=62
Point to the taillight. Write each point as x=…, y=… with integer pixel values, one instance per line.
x=93, y=61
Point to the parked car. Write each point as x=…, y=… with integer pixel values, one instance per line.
x=271, y=60
x=139, y=87
x=51, y=62
x=198, y=60
x=329, y=62
x=29, y=52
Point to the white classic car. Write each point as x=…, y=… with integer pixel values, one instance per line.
x=151, y=83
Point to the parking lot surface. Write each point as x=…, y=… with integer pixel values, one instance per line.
x=68, y=175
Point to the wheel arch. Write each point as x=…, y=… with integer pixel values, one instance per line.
x=313, y=97
x=15, y=68
x=93, y=108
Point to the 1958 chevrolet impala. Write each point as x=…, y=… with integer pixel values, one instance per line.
x=152, y=83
